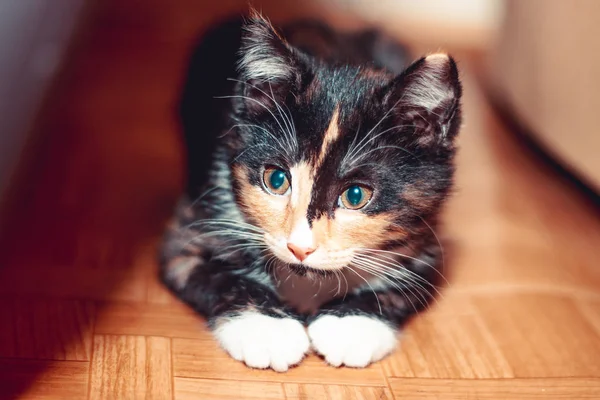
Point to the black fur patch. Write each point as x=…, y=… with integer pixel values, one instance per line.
x=256, y=97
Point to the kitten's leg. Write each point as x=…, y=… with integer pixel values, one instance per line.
x=362, y=328
x=241, y=306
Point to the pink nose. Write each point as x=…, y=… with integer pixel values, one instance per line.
x=300, y=252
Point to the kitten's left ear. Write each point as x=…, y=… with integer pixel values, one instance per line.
x=428, y=95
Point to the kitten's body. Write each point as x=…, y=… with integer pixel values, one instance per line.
x=332, y=115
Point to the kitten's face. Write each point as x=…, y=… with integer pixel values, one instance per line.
x=312, y=210
x=332, y=161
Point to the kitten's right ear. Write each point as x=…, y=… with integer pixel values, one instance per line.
x=264, y=56
x=428, y=96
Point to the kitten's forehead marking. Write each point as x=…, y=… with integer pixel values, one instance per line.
x=303, y=180
x=298, y=230
x=302, y=184
x=330, y=136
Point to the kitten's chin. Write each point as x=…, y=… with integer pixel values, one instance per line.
x=305, y=270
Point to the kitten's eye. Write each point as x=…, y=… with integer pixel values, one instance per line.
x=276, y=181
x=355, y=197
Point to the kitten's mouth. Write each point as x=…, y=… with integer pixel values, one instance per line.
x=325, y=265
x=305, y=270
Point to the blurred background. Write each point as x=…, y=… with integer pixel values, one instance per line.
x=91, y=165
x=540, y=55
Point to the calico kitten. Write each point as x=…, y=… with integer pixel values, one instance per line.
x=316, y=177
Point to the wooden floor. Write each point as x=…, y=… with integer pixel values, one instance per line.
x=82, y=315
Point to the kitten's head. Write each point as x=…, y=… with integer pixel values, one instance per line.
x=330, y=160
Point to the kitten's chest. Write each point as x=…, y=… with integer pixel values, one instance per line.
x=307, y=294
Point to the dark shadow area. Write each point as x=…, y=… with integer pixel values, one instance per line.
x=96, y=185
x=98, y=182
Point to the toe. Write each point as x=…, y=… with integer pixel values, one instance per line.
x=358, y=357
x=334, y=360
x=333, y=352
x=279, y=365
x=256, y=357
x=280, y=358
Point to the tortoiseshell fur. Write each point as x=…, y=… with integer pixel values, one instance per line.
x=332, y=109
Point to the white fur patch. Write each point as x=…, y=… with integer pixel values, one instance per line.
x=355, y=341
x=263, y=68
x=260, y=60
x=179, y=270
x=429, y=88
x=264, y=342
x=301, y=235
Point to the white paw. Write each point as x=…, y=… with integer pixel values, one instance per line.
x=262, y=342
x=355, y=341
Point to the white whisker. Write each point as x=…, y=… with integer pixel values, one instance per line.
x=339, y=288
x=364, y=155
x=403, y=272
x=374, y=270
x=287, y=120
x=262, y=105
x=375, y=127
x=291, y=126
x=227, y=222
x=438, y=241
x=414, y=288
x=371, y=287
x=400, y=289
x=355, y=153
x=345, y=280
x=204, y=194
x=248, y=149
x=409, y=257
x=265, y=131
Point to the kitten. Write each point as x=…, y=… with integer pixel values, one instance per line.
x=315, y=180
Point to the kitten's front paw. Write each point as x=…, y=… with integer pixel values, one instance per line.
x=355, y=341
x=262, y=342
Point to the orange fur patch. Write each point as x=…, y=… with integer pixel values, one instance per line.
x=415, y=196
x=268, y=212
x=331, y=134
x=353, y=229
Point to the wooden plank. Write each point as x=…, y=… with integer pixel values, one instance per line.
x=448, y=341
x=492, y=389
x=131, y=367
x=73, y=282
x=295, y=391
x=205, y=359
x=192, y=389
x=46, y=329
x=175, y=320
x=43, y=380
x=107, y=171
x=541, y=335
x=591, y=311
